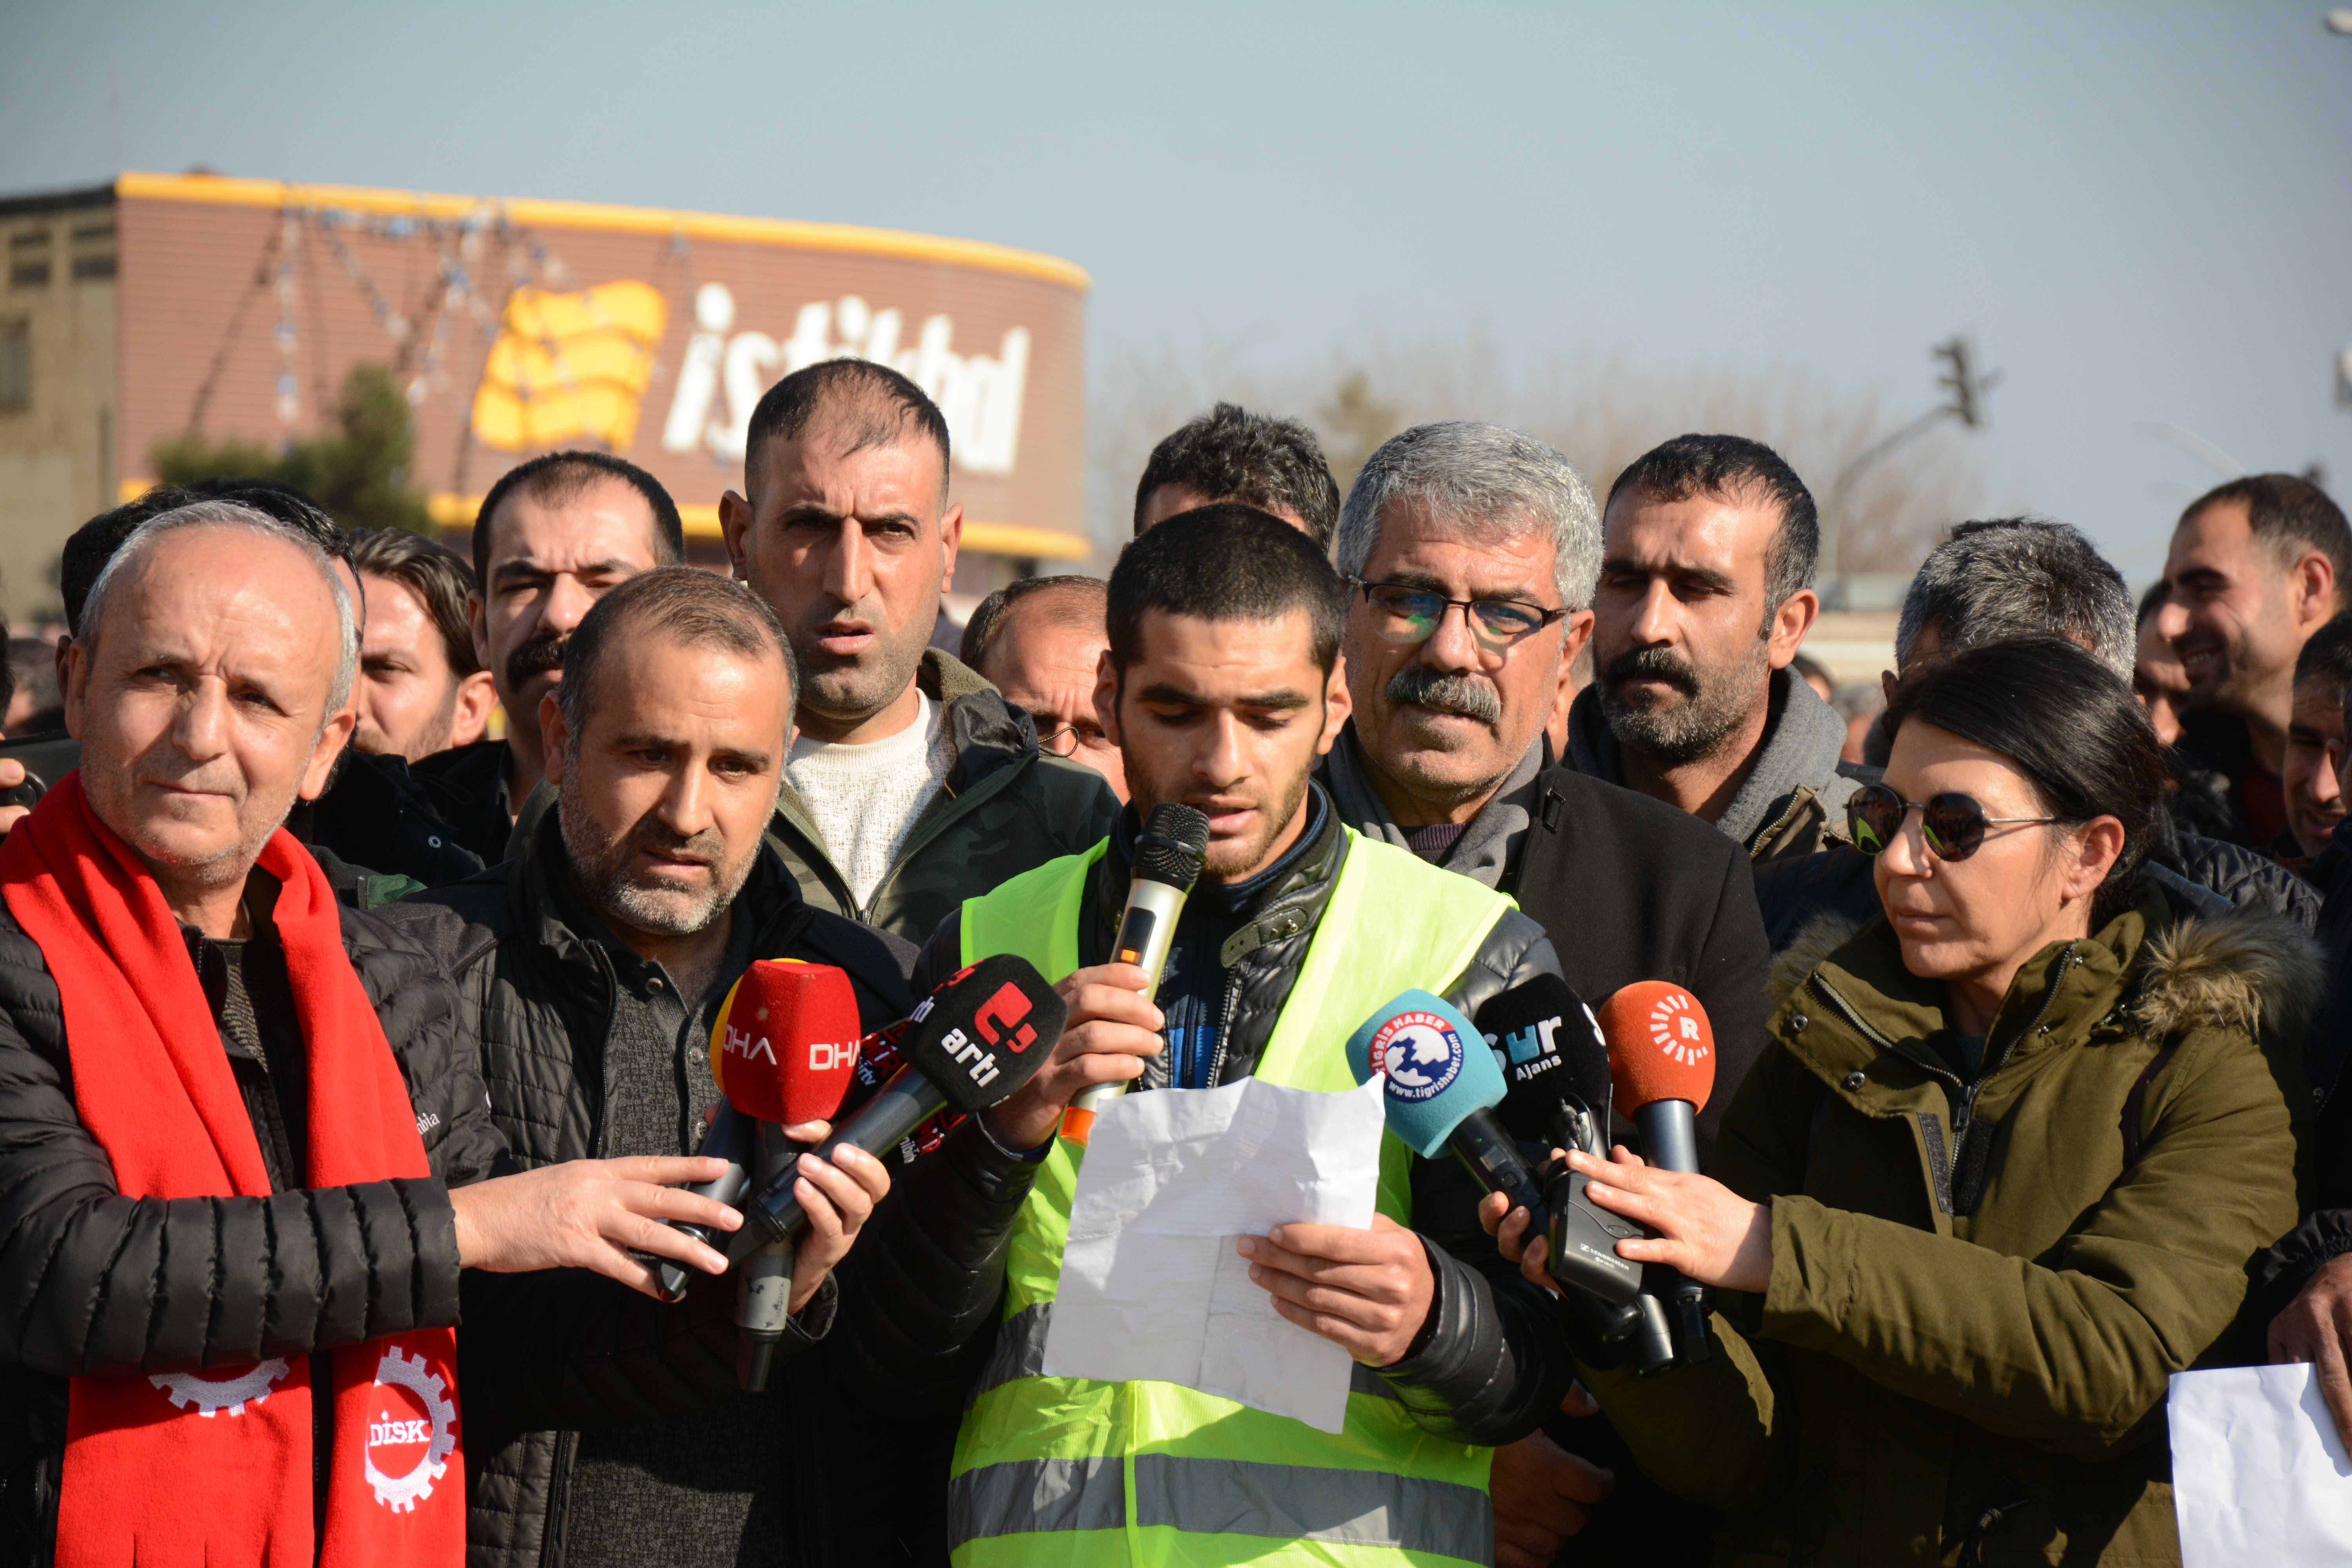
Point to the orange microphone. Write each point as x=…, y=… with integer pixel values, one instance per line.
x=1662, y=1066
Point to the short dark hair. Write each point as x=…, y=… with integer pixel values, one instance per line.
x=557, y=477
x=876, y=405
x=988, y=622
x=2072, y=726
x=1232, y=454
x=683, y=603
x=1225, y=563
x=2327, y=656
x=2292, y=515
x=435, y=573
x=1724, y=466
x=90, y=547
x=2159, y=594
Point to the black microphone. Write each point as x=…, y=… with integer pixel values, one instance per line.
x=972, y=1043
x=1168, y=858
x=1558, y=1096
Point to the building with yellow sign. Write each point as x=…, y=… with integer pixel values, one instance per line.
x=158, y=305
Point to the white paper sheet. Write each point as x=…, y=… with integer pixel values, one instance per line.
x=2258, y=1475
x=1152, y=1287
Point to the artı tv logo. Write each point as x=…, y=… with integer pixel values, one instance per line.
x=979, y=396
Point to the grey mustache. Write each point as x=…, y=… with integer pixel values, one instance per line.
x=1465, y=695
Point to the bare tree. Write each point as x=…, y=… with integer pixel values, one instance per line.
x=1601, y=412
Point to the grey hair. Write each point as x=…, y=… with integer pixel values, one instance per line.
x=1479, y=478
x=233, y=514
x=2018, y=578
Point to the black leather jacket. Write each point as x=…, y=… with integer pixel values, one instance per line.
x=94, y=1283
x=1494, y=1362
x=545, y=1355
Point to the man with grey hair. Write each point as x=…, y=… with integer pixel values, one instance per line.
x=594, y=966
x=233, y=1112
x=1994, y=581
x=1470, y=553
x=1704, y=596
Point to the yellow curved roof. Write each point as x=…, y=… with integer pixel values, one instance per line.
x=531, y=212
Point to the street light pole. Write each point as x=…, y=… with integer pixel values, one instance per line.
x=1968, y=386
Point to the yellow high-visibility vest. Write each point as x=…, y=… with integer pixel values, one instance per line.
x=1057, y=1470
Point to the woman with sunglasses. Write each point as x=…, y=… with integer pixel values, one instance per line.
x=1998, y=1174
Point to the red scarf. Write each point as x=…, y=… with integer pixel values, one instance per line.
x=192, y=1468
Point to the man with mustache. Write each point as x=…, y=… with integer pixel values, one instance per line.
x=1470, y=553
x=554, y=535
x=2257, y=565
x=914, y=784
x=611, y=1428
x=1705, y=594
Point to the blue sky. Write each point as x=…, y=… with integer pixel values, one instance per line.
x=2140, y=210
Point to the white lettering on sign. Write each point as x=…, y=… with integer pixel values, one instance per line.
x=979, y=1062
x=978, y=396
x=825, y=1056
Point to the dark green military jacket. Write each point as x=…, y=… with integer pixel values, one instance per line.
x=1004, y=808
x=1979, y=1290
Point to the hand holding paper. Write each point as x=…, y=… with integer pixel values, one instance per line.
x=1152, y=1287
x=1367, y=1291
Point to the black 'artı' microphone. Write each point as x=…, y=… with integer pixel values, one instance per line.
x=972, y=1043
x=1168, y=856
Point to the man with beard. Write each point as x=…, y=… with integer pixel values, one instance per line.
x=1221, y=687
x=422, y=686
x=608, y=1428
x=554, y=535
x=1471, y=552
x=1705, y=596
x=914, y=784
x=2257, y=565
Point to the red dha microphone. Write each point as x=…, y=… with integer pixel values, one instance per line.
x=785, y=1041
x=782, y=1052
x=1662, y=1065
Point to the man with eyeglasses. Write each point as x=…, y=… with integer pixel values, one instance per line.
x=1470, y=553
x=1039, y=642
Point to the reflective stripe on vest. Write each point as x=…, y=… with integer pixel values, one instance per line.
x=1066, y=1470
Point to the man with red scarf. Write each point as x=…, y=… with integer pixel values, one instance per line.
x=241, y=1130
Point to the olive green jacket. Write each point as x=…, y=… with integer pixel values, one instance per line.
x=1977, y=1295
x=1005, y=808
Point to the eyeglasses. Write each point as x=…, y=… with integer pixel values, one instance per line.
x=1402, y=615
x=1953, y=825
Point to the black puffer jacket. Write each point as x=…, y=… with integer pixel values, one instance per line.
x=545, y=1355
x=95, y=1283
x=1494, y=1363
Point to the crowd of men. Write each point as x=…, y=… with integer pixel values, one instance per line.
x=342, y=1045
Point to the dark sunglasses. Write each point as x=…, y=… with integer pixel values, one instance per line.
x=1402, y=615
x=1953, y=825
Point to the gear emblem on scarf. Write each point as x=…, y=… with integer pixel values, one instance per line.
x=209, y=1396
x=403, y=1493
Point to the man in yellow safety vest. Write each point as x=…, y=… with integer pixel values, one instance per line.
x=1222, y=687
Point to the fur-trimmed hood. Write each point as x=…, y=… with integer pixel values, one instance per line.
x=2253, y=972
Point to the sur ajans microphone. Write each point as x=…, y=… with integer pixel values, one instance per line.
x=780, y=1051
x=1662, y=1061
x=972, y=1043
x=1557, y=1064
x=1168, y=856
